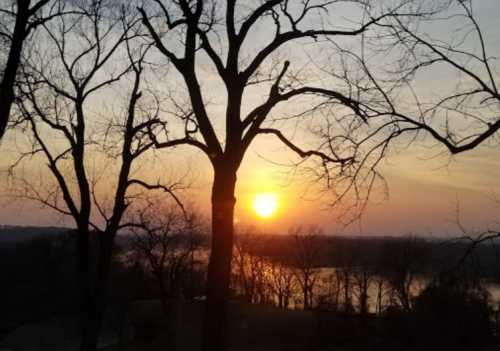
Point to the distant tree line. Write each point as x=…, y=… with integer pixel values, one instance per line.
x=413, y=287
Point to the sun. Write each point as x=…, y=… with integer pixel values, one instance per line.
x=265, y=204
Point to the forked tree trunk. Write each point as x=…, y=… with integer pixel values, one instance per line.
x=214, y=336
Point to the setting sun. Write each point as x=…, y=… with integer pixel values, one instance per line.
x=265, y=205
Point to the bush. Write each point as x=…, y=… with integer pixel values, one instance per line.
x=452, y=311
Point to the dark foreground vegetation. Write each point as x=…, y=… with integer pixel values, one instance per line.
x=293, y=292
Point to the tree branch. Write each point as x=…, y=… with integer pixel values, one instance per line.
x=304, y=154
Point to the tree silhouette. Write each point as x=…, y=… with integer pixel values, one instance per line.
x=166, y=240
x=389, y=74
x=186, y=32
x=77, y=63
x=363, y=278
x=249, y=268
x=404, y=260
x=19, y=19
x=306, y=255
x=282, y=283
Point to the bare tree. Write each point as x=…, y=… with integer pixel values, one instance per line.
x=258, y=278
x=249, y=269
x=404, y=263
x=330, y=292
x=389, y=71
x=18, y=19
x=344, y=274
x=363, y=279
x=165, y=239
x=282, y=283
x=381, y=288
x=474, y=101
x=81, y=57
x=306, y=256
x=222, y=33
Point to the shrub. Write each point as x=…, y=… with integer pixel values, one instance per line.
x=452, y=311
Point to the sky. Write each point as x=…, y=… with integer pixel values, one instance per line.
x=426, y=197
x=428, y=194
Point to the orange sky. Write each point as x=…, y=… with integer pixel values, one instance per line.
x=424, y=194
x=423, y=199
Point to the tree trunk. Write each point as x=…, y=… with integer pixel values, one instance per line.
x=97, y=303
x=219, y=266
x=13, y=61
x=363, y=308
x=83, y=277
x=347, y=293
x=306, y=297
x=163, y=293
x=379, y=299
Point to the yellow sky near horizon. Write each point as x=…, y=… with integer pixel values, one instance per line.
x=423, y=197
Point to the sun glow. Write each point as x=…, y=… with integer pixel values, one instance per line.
x=265, y=204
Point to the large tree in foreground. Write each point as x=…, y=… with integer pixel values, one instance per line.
x=79, y=62
x=228, y=34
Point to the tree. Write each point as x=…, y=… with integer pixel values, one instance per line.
x=166, y=241
x=305, y=262
x=83, y=56
x=390, y=70
x=344, y=274
x=330, y=294
x=380, y=284
x=250, y=268
x=388, y=73
x=19, y=19
x=362, y=279
x=453, y=310
x=282, y=283
x=199, y=26
x=404, y=262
